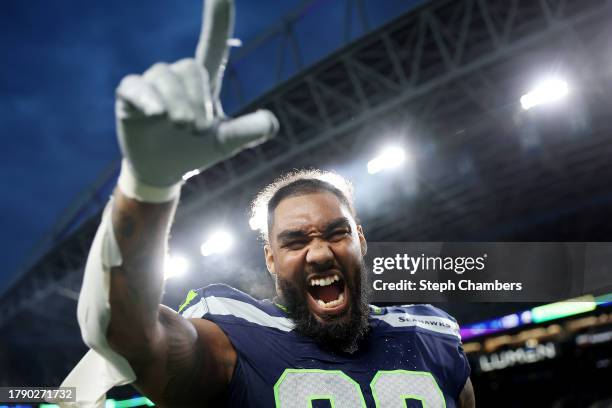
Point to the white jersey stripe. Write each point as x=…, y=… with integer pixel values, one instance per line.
x=233, y=307
x=196, y=310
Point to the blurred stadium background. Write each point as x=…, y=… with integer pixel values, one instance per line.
x=442, y=82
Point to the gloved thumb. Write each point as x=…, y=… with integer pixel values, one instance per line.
x=246, y=131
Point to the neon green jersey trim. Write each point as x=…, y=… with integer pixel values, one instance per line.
x=192, y=293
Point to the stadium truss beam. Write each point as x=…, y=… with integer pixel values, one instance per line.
x=405, y=60
x=287, y=45
x=430, y=62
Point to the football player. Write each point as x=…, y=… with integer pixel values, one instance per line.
x=318, y=343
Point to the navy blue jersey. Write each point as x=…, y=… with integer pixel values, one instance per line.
x=412, y=356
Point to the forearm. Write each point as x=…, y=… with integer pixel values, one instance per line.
x=141, y=231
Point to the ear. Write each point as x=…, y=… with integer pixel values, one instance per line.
x=269, y=259
x=362, y=241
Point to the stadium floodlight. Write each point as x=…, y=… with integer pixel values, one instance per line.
x=389, y=158
x=219, y=242
x=175, y=266
x=548, y=91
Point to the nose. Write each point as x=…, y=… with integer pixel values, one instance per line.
x=320, y=256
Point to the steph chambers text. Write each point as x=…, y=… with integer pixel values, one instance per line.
x=466, y=285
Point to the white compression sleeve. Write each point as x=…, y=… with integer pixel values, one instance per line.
x=101, y=368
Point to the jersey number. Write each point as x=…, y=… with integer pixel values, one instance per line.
x=297, y=388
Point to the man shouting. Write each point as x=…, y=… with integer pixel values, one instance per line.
x=318, y=343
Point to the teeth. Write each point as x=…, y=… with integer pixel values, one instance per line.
x=333, y=303
x=324, y=281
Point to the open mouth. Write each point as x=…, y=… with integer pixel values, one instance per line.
x=327, y=293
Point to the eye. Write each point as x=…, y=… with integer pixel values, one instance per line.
x=339, y=234
x=295, y=245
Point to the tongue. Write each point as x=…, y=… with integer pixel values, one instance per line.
x=326, y=293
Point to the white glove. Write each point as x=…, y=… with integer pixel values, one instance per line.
x=170, y=121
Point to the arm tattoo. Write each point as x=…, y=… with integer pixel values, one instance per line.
x=184, y=360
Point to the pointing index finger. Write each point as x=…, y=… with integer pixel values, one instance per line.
x=212, y=50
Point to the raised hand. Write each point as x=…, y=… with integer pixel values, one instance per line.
x=170, y=121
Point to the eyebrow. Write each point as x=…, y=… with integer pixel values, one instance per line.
x=287, y=235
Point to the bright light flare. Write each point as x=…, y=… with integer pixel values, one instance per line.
x=391, y=157
x=548, y=91
x=190, y=174
x=218, y=243
x=175, y=266
x=259, y=221
x=234, y=42
x=253, y=223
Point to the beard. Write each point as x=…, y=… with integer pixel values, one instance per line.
x=340, y=333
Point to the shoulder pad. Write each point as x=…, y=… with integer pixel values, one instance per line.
x=219, y=301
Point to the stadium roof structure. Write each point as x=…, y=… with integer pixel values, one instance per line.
x=445, y=80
